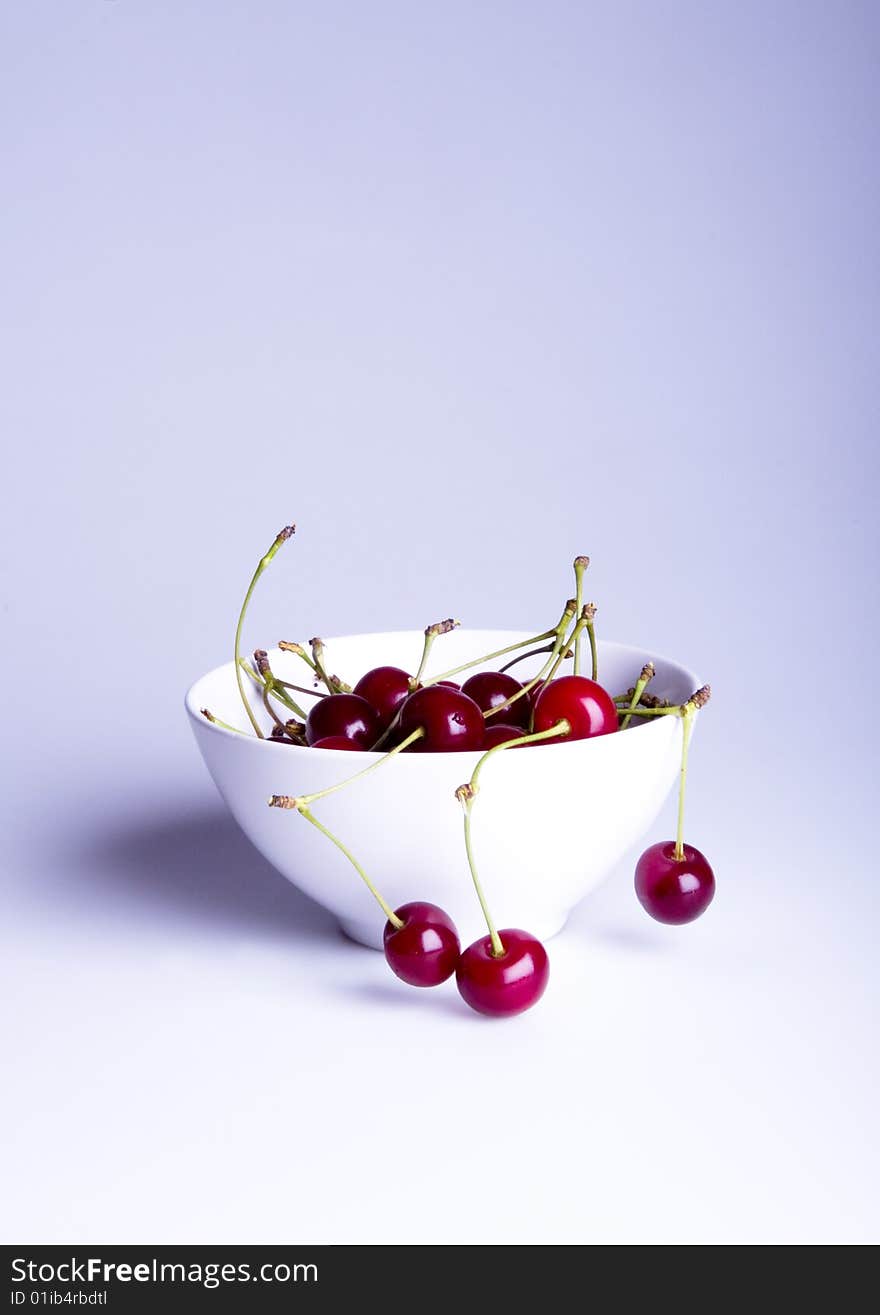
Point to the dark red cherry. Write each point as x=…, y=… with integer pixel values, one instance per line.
x=450, y=684
x=500, y=734
x=587, y=706
x=384, y=688
x=338, y=742
x=509, y=984
x=451, y=721
x=674, y=890
x=536, y=690
x=488, y=689
x=425, y=950
x=343, y=714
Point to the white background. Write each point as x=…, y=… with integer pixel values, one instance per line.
x=463, y=291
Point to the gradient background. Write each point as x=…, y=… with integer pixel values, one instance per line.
x=463, y=290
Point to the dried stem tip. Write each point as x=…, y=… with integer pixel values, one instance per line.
x=284, y=801
x=209, y=715
x=442, y=627
x=700, y=697
x=261, y=657
x=287, y=647
x=465, y=793
x=588, y=611
x=647, y=672
x=581, y=563
x=277, y=733
x=316, y=645
x=283, y=535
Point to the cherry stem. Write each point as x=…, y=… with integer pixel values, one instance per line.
x=646, y=674
x=688, y=711
x=317, y=647
x=217, y=721
x=466, y=794
x=590, y=612
x=431, y=633
x=533, y=652
x=386, y=908
x=264, y=561
x=290, y=801
x=276, y=691
x=687, y=716
x=489, y=657
x=558, y=650
x=580, y=565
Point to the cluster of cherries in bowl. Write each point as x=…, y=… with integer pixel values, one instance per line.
x=490, y=708
x=393, y=711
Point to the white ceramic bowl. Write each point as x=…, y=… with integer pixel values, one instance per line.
x=549, y=823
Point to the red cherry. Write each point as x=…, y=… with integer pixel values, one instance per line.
x=451, y=721
x=587, y=706
x=338, y=742
x=536, y=690
x=343, y=714
x=384, y=688
x=508, y=984
x=674, y=890
x=425, y=950
x=489, y=689
x=450, y=684
x=500, y=734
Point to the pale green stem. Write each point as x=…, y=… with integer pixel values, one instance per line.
x=274, y=689
x=638, y=691
x=489, y=657
x=560, y=647
x=467, y=794
x=384, y=906
x=687, y=726
x=365, y=771
x=209, y=716
x=580, y=565
x=594, y=656
x=264, y=561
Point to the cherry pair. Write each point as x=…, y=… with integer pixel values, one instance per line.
x=423, y=948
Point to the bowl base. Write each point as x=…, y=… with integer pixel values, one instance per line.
x=370, y=934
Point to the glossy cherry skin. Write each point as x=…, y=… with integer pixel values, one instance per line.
x=451, y=721
x=587, y=706
x=450, y=684
x=509, y=984
x=384, y=688
x=343, y=714
x=674, y=890
x=488, y=689
x=425, y=950
x=500, y=734
x=338, y=742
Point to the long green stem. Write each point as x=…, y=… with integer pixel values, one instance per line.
x=264, y=561
x=209, y=716
x=318, y=663
x=383, y=904
x=646, y=674
x=466, y=794
x=274, y=688
x=580, y=565
x=294, y=801
x=497, y=944
x=560, y=647
x=687, y=726
x=489, y=657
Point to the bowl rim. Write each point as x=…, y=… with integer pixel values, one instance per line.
x=191, y=703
